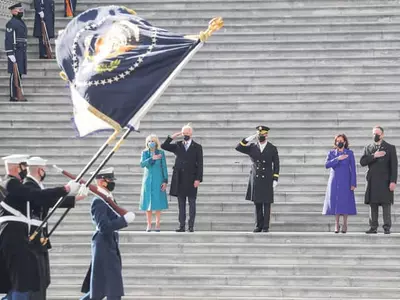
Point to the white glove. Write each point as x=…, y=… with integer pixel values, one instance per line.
x=12, y=58
x=41, y=14
x=73, y=188
x=129, y=217
x=252, y=137
x=83, y=191
x=274, y=184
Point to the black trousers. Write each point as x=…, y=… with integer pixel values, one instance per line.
x=182, y=211
x=13, y=90
x=374, y=214
x=263, y=214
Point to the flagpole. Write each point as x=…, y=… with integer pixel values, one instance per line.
x=79, y=177
x=102, y=164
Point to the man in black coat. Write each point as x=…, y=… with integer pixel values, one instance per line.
x=187, y=173
x=19, y=275
x=44, y=10
x=264, y=175
x=381, y=159
x=15, y=46
x=34, y=180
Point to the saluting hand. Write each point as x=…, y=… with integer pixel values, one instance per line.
x=175, y=135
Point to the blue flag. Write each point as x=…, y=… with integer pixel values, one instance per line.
x=115, y=63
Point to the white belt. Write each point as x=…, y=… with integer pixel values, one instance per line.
x=18, y=216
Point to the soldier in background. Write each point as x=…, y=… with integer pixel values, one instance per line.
x=16, y=46
x=44, y=10
x=264, y=175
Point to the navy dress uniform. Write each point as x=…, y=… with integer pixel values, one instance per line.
x=44, y=9
x=104, y=277
x=39, y=212
x=16, y=45
x=19, y=274
x=264, y=175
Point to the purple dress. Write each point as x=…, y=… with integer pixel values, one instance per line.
x=339, y=198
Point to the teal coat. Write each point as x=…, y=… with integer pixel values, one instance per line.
x=155, y=174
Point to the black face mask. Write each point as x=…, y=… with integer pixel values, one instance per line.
x=22, y=173
x=186, y=137
x=340, y=145
x=110, y=186
x=42, y=177
x=377, y=138
x=262, y=138
x=19, y=15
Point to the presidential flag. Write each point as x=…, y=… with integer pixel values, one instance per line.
x=118, y=64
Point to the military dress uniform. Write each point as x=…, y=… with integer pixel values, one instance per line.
x=46, y=8
x=264, y=175
x=16, y=45
x=39, y=212
x=19, y=273
x=104, y=277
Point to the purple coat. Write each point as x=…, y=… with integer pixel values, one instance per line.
x=339, y=198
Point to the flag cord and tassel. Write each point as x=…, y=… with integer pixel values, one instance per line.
x=87, y=184
x=79, y=177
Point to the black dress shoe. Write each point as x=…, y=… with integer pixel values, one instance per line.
x=257, y=229
x=13, y=99
x=387, y=231
x=191, y=229
x=369, y=231
x=265, y=230
x=180, y=229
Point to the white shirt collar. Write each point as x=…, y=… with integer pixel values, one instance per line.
x=105, y=192
x=262, y=146
x=35, y=180
x=188, y=143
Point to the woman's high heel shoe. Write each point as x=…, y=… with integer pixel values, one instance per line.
x=343, y=229
x=338, y=229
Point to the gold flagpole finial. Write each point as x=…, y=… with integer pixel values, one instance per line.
x=214, y=25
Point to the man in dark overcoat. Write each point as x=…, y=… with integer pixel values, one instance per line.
x=264, y=175
x=187, y=173
x=44, y=10
x=34, y=180
x=15, y=45
x=381, y=159
x=19, y=274
x=104, y=277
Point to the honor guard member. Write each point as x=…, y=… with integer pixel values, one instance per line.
x=34, y=179
x=264, y=175
x=104, y=277
x=19, y=275
x=15, y=45
x=44, y=10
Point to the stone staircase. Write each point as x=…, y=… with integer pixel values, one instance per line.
x=308, y=69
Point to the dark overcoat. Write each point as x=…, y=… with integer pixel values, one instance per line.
x=104, y=277
x=16, y=28
x=39, y=212
x=20, y=267
x=187, y=169
x=264, y=170
x=47, y=7
x=381, y=172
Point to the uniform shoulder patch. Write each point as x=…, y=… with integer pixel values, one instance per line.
x=9, y=29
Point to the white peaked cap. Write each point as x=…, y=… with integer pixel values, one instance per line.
x=36, y=161
x=15, y=158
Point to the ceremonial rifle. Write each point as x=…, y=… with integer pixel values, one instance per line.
x=46, y=39
x=16, y=76
x=68, y=8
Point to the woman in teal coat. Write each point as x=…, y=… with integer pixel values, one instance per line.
x=153, y=196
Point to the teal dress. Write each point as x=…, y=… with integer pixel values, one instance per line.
x=155, y=174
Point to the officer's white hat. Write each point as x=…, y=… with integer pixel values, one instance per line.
x=105, y=174
x=15, y=158
x=36, y=161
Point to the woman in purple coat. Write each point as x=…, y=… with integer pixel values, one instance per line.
x=339, y=198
